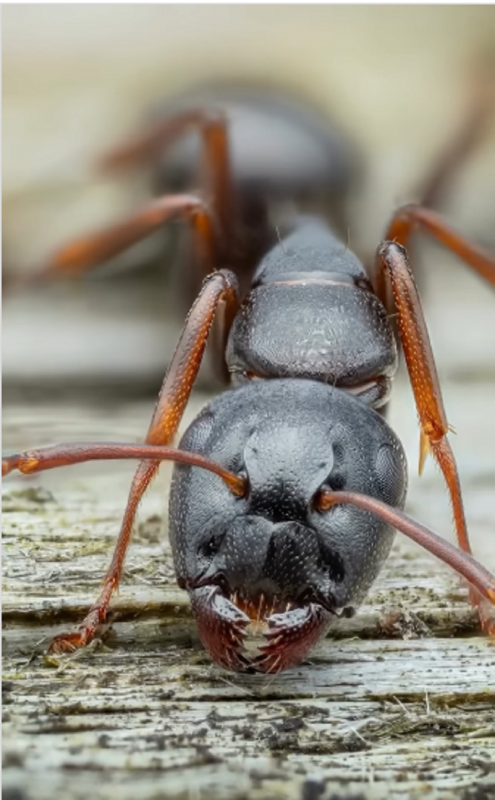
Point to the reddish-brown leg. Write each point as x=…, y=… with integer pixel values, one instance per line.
x=90, y=251
x=220, y=287
x=216, y=173
x=393, y=262
x=409, y=218
x=478, y=112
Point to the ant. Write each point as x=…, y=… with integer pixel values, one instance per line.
x=287, y=488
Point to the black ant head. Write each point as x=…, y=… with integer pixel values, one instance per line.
x=270, y=566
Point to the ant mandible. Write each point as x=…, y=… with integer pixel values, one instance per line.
x=312, y=479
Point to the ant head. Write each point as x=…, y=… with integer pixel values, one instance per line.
x=274, y=550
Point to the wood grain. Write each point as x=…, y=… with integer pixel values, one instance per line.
x=398, y=702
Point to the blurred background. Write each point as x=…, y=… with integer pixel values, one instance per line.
x=79, y=79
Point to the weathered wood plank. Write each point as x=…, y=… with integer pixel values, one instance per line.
x=399, y=701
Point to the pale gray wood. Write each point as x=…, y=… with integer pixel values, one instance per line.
x=398, y=702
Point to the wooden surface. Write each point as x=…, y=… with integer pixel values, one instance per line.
x=399, y=702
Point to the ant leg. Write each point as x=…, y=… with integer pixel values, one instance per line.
x=219, y=287
x=479, y=110
x=392, y=261
x=216, y=183
x=216, y=171
x=410, y=217
x=88, y=252
x=479, y=107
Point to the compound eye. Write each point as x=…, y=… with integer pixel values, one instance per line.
x=391, y=475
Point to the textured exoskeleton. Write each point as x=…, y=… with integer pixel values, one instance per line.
x=272, y=550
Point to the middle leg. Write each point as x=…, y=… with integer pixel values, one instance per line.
x=216, y=179
x=86, y=253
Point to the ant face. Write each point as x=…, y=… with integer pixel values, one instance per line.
x=271, y=563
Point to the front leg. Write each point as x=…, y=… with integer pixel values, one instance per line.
x=420, y=362
x=219, y=287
